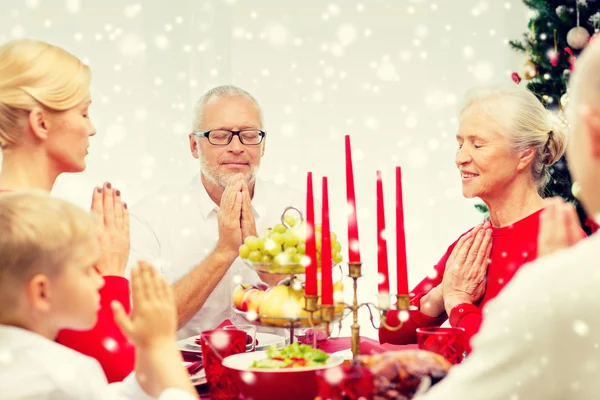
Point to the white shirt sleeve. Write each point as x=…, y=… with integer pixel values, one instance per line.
x=513, y=355
x=144, y=244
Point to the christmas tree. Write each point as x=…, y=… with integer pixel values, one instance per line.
x=558, y=32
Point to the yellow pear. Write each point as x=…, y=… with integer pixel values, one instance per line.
x=282, y=301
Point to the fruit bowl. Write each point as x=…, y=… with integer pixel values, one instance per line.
x=282, y=248
x=274, y=384
x=277, y=269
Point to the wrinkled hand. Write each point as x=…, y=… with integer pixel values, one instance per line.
x=247, y=220
x=559, y=227
x=153, y=320
x=229, y=218
x=466, y=269
x=112, y=218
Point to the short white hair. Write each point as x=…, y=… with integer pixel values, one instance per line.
x=528, y=125
x=221, y=91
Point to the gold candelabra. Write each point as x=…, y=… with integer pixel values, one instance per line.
x=327, y=314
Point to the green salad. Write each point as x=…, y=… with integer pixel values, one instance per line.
x=293, y=356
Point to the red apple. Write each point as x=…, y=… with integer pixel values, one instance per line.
x=238, y=295
x=261, y=286
x=252, y=300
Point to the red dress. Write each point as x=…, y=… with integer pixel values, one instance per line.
x=104, y=341
x=512, y=246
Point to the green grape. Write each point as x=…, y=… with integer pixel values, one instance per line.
x=291, y=251
x=277, y=238
x=290, y=240
x=337, y=258
x=301, y=248
x=336, y=246
x=318, y=228
x=333, y=237
x=279, y=228
x=251, y=242
x=261, y=245
x=272, y=248
x=265, y=259
x=297, y=259
x=244, y=251
x=318, y=240
x=255, y=256
x=281, y=259
x=290, y=220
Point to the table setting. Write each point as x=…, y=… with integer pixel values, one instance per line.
x=237, y=361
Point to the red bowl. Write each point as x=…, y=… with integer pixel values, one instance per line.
x=274, y=384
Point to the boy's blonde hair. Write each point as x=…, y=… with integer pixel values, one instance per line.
x=39, y=234
x=37, y=74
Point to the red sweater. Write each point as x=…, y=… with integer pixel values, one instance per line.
x=104, y=341
x=512, y=246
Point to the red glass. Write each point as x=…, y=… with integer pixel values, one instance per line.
x=447, y=342
x=348, y=382
x=216, y=345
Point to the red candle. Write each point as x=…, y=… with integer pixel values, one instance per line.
x=382, y=256
x=402, y=270
x=353, y=249
x=311, y=248
x=326, y=266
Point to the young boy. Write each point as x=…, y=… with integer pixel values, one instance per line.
x=48, y=282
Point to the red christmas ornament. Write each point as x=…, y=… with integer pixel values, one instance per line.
x=554, y=57
x=516, y=78
x=572, y=58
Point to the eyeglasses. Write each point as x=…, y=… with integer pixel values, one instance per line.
x=222, y=137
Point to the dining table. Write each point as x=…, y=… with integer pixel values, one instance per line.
x=332, y=345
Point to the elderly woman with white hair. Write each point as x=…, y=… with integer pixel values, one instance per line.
x=507, y=141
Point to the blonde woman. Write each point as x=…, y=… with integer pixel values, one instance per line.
x=507, y=141
x=44, y=131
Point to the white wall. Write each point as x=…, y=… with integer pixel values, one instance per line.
x=390, y=73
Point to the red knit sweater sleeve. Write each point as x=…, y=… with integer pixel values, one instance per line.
x=416, y=319
x=468, y=317
x=105, y=342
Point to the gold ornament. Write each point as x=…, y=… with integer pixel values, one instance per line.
x=578, y=37
x=564, y=101
x=530, y=70
x=576, y=189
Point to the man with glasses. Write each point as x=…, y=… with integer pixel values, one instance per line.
x=193, y=231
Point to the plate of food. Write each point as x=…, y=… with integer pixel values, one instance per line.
x=263, y=342
x=265, y=375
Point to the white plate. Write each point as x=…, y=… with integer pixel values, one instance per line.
x=199, y=378
x=344, y=354
x=265, y=340
x=242, y=362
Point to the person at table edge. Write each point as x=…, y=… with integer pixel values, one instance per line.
x=539, y=339
x=507, y=141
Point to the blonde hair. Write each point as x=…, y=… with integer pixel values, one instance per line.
x=37, y=74
x=38, y=234
x=526, y=124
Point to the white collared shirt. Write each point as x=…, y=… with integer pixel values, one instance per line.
x=33, y=367
x=540, y=338
x=176, y=227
